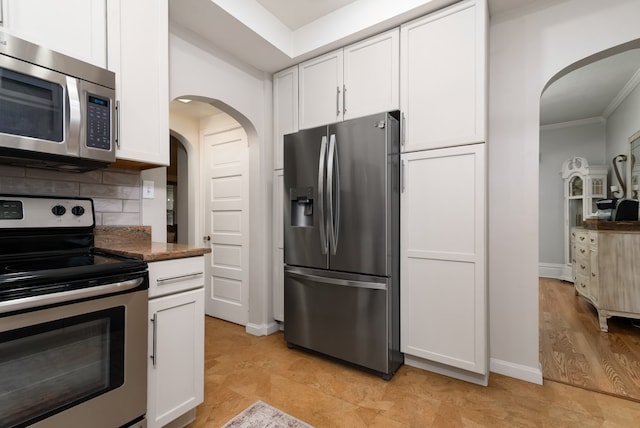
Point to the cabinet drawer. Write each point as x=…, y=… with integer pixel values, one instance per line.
x=580, y=237
x=582, y=285
x=582, y=265
x=173, y=276
x=582, y=251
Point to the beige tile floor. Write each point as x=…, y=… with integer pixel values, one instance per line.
x=241, y=369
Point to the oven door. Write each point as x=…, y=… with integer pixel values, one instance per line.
x=77, y=364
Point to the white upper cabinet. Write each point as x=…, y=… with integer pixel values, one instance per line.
x=443, y=77
x=285, y=109
x=371, y=75
x=358, y=80
x=139, y=55
x=321, y=90
x=77, y=28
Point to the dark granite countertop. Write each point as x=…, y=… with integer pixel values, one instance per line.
x=619, y=226
x=135, y=241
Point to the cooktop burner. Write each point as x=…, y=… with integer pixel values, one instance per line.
x=61, y=262
x=47, y=246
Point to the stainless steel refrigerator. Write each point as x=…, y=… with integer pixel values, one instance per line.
x=341, y=241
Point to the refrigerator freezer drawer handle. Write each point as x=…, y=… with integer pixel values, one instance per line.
x=337, y=281
x=321, y=167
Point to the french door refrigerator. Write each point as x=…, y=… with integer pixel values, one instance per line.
x=341, y=241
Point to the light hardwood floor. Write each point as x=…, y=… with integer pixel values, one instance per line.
x=241, y=369
x=574, y=350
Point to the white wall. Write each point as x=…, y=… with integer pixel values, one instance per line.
x=198, y=70
x=527, y=49
x=622, y=124
x=558, y=144
x=158, y=204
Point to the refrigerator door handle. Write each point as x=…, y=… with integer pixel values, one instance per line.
x=321, y=173
x=333, y=180
x=339, y=281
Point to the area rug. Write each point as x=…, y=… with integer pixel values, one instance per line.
x=262, y=415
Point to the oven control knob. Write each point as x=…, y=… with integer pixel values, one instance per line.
x=77, y=210
x=58, y=210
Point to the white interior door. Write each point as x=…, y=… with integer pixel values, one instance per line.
x=225, y=171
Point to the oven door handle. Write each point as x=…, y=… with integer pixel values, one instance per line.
x=67, y=296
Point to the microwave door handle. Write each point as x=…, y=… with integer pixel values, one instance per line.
x=75, y=116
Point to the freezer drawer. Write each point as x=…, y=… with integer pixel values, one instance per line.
x=343, y=316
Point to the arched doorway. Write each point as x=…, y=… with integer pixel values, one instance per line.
x=219, y=182
x=588, y=110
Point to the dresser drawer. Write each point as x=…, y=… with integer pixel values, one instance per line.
x=582, y=265
x=174, y=276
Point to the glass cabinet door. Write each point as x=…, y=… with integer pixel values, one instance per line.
x=576, y=187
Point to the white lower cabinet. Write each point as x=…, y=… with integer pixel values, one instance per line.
x=176, y=345
x=443, y=258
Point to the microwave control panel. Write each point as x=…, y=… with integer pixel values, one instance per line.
x=98, y=122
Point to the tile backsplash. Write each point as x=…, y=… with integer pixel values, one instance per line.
x=116, y=193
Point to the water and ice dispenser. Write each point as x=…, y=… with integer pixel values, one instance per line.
x=301, y=200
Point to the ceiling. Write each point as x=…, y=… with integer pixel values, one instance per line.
x=193, y=109
x=271, y=35
x=298, y=13
x=589, y=92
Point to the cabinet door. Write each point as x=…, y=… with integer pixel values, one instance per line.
x=443, y=78
x=139, y=55
x=285, y=109
x=77, y=28
x=278, y=244
x=443, y=299
x=321, y=90
x=176, y=347
x=371, y=75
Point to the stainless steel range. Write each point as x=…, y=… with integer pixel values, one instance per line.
x=73, y=320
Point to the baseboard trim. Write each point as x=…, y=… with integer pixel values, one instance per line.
x=556, y=271
x=262, y=329
x=518, y=371
x=182, y=421
x=432, y=366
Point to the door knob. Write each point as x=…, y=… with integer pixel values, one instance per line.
x=207, y=238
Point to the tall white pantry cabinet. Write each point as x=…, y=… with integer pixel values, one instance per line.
x=437, y=78
x=443, y=198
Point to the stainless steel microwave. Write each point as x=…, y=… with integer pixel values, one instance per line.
x=55, y=111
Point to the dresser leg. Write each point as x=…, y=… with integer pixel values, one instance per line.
x=603, y=321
